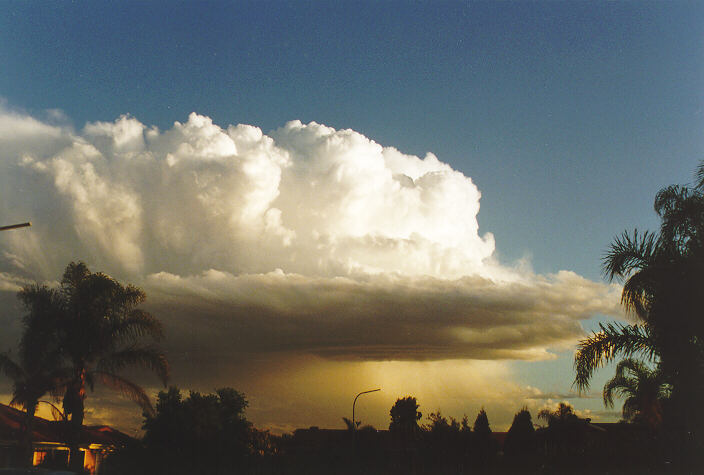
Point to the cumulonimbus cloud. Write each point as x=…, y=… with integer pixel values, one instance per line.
x=306, y=239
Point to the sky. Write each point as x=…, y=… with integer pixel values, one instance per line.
x=322, y=198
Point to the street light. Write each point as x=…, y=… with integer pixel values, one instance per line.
x=354, y=423
x=14, y=226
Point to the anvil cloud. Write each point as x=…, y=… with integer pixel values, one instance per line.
x=308, y=239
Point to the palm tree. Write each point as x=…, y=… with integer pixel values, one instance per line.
x=564, y=414
x=351, y=426
x=37, y=371
x=100, y=333
x=662, y=275
x=29, y=385
x=643, y=388
x=564, y=435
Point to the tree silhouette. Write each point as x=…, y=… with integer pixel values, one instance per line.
x=564, y=433
x=200, y=433
x=662, y=275
x=208, y=433
x=562, y=415
x=37, y=371
x=351, y=426
x=405, y=416
x=98, y=329
x=404, y=431
x=484, y=447
x=445, y=443
x=520, y=443
x=481, y=424
x=644, y=390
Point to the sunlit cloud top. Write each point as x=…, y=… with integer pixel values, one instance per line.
x=307, y=199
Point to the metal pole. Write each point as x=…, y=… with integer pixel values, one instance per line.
x=354, y=423
x=14, y=226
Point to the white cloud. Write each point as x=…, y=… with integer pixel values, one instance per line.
x=307, y=199
x=320, y=231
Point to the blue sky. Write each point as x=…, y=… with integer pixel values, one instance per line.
x=567, y=116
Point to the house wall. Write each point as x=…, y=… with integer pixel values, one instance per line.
x=59, y=455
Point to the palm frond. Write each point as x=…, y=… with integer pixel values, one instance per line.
x=74, y=275
x=619, y=385
x=636, y=296
x=628, y=253
x=133, y=295
x=631, y=367
x=138, y=324
x=681, y=210
x=56, y=413
x=351, y=426
x=643, y=389
x=58, y=392
x=146, y=357
x=18, y=402
x=127, y=388
x=603, y=347
x=699, y=176
x=9, y=368
x=669, y=199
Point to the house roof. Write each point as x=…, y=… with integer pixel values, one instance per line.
x=11, y=421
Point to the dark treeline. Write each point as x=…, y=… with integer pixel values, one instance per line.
x=209, y=434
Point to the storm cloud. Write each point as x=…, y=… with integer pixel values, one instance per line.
x=307, y=241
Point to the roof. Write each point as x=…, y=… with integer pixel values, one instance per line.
x=44, y=430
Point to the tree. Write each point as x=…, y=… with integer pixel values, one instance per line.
x=351, y=426
x=484, y=447
x=207, y=433
x=405, y=431
x=444, y=443
x=662, y=275
x=644, y=390
x=37, y=370
x=520, y=443
x=99, y=331
x=440, y=424
x=200, y=433
x=564, y=435
x=481, y=424
x=564, y=414
x=405, y=416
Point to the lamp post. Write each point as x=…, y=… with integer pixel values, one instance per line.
x=354, y=423
x=15, y=226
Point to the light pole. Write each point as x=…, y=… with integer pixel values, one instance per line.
x=354, y=423
x=14, y=226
